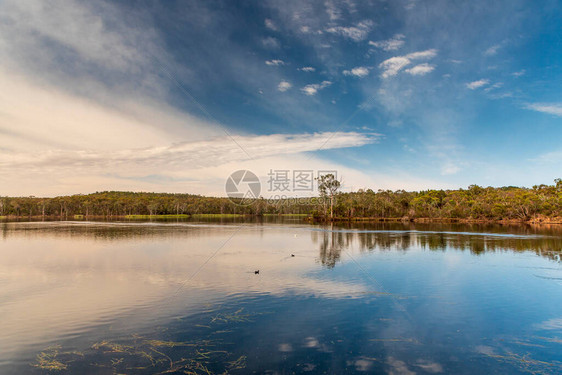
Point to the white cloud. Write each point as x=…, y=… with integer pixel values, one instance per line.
x=450, y=169
x=307, y=69
x=359, y=71
x=284, y=86
x=492, y=50
x=519, y=73
x=427, y=54
x=550, y=108
x=40, y=117
x=270, y=24
x=477, y=84
x=356, y=33
x=392, y=44
x=275, y=62
x=204, y=153
x=496, y=85
x=271, y=43
x=332, y=10
x=549, y=157
x=312, y=89
x=198, y=167
x=420, y=70
x=394, y=65
x=75, y=26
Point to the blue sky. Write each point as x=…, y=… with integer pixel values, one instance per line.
x=172, y=96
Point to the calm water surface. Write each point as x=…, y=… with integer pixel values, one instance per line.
x=183, y=297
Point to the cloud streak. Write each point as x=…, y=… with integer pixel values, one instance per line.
x=213, y=152
x=275, y=62
x=550, y=108
x=477, y=84
x=420, y=70
x=394, y=65
x=357, y=33
x=392, y=44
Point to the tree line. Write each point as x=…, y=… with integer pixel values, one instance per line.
x=475, y=202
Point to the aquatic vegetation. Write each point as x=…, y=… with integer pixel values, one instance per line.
x=237, y=316
x=550, y=339
x=240, y=363
x=53, y=360
x=527, y=364
x=47, y=360
x=138, y=354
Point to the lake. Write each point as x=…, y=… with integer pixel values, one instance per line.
x=181, y=297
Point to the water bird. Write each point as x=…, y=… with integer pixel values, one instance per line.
x=257, y=272
x=293, y=255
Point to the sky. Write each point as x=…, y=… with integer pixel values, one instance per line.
x=173, y=96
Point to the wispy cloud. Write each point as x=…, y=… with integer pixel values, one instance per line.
x=271, y=43
x=550, y=108
x=307, y=69
x=450, y=168
x=495, y=86
x=420, y=70
x=284, y=86
x=359, y=71
x=519, y=73
x=477, y=84
x=357, y=33
x=394, y=65
x=275, y=62
x=313, y=88
x=392, y=44
x=270, y=24
x=198, y=154
x=492, y=50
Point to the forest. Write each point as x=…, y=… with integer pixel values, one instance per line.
x=541, y=203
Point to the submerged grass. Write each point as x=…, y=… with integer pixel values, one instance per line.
x=140, y=355
x=47, y=360
x=53, y=360
x=527, y=364
x=236, y=317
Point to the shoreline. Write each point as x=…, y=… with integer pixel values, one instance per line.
x=309, y=218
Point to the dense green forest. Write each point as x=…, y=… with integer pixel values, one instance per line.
x=541, y=202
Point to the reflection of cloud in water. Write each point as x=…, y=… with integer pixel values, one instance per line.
x=398, y=367
x=68, y=279
x=551, y=324
x=311, y=342
x=363, y=364
x=64, y=279
x=285, y=348
x=431, y=367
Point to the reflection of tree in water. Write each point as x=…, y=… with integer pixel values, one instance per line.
x=546, y=244
x=331, y=245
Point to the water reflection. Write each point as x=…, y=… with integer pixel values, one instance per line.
x=123, y=292
x=546, y=242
